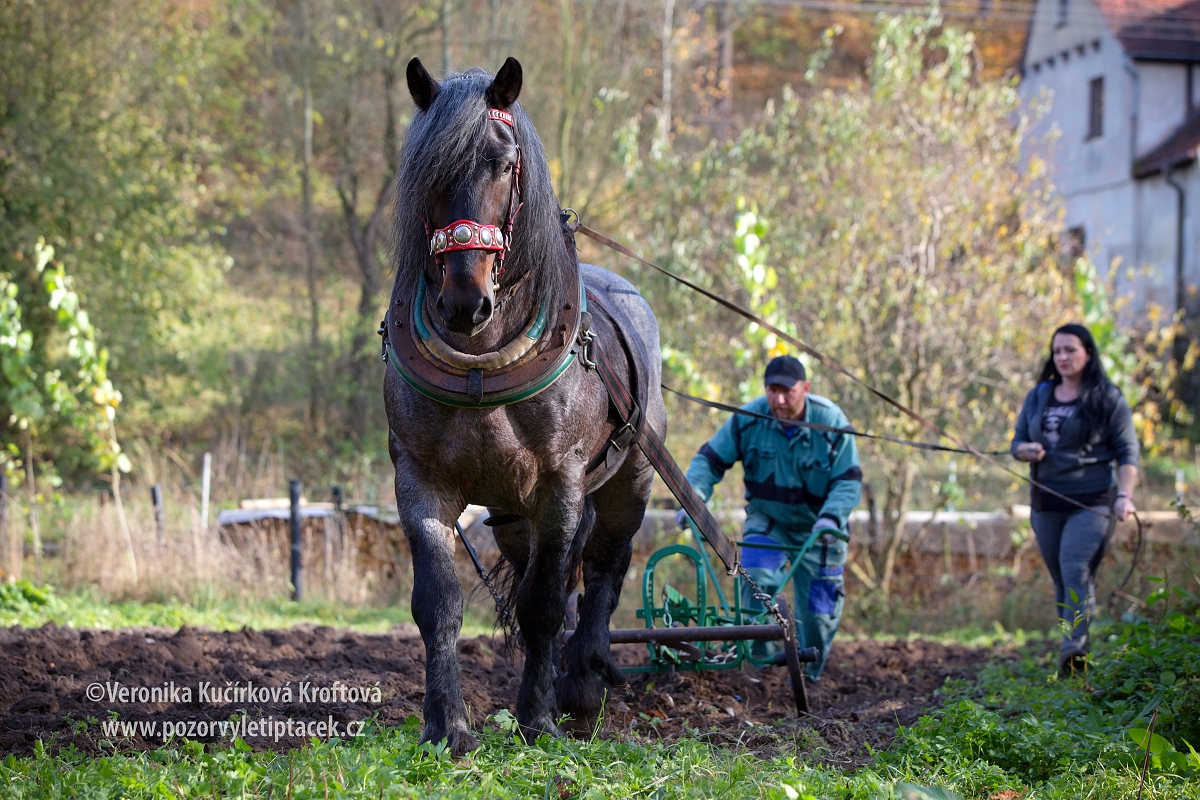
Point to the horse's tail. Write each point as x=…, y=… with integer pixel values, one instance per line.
x=506, y=576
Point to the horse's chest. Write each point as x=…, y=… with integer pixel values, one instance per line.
x=491, y=458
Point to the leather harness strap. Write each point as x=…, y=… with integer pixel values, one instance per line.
x=635, y=431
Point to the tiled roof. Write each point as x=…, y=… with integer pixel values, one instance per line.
x=1180, y=149
x=1161, y=30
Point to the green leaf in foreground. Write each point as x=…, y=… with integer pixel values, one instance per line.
x=1157, y=744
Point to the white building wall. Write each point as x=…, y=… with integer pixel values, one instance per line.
x=1129, y=225
x=1092, y=175
x=1191, y=237
x=1162, y=105
x=1153, y=282
x=1085, y=23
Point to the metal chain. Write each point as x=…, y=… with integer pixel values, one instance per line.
x=668, y=620
x=507, y=620
x=766, y=599
x=502, y=610
x=722, y=658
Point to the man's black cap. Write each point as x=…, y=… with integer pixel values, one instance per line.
x=785, y=371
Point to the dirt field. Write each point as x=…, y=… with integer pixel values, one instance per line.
x=45, y=674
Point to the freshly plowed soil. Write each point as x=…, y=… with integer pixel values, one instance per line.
x=46, y=675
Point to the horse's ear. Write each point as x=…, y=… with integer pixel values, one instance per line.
x=421, y=84
x=507, y=86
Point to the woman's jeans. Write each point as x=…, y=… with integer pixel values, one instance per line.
x=1072, y=544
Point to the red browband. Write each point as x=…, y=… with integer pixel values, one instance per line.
x=501, y=116
x=465, y=234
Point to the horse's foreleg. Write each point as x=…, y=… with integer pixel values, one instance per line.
x=589, y=671
x=540, y=602
x=437, y=608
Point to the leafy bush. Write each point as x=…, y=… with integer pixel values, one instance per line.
x=1021, y=720
x=23, y=596
x=1154, y=663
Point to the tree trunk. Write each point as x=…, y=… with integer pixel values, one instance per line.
x=8, y=535
x=115, y=474
x=899, y=494
x=566, y=122
x=664, y=110
x=31, y=486
x=364, y=236
x=445, y=19
x=726, y=23
x=362, y=362
x=494, y=36
x=310, y=243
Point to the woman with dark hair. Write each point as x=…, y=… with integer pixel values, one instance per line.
x=1075, y=423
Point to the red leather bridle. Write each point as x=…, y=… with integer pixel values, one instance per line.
x=466, y=234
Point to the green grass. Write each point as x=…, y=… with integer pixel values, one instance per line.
x=390, y=763
x=85, y=610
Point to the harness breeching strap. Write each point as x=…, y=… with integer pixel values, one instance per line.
x=652, y=445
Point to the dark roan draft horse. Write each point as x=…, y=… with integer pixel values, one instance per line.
x=493, y=398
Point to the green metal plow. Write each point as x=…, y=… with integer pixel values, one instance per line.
x=687, y=633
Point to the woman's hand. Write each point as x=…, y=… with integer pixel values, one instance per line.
x=1124, y=507
x=1030, y=451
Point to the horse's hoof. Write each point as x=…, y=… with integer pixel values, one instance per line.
x=459, y=740
x=531, y=732
x=581, y=696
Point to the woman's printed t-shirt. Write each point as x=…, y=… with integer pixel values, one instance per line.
x=1052, y=420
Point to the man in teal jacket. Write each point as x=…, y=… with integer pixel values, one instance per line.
x=798, y=480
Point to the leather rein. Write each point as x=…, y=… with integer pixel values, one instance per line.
x=523, y=367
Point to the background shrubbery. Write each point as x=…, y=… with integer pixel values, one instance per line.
x=1022, y=724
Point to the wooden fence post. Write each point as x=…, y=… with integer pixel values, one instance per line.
x=294, y=494
x=205, y=490
x=34, y=526
x=11, y=556
x=160, y=512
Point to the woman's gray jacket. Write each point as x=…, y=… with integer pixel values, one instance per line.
x=1077, y=467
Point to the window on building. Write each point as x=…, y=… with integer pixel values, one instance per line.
x=1063, y=5
x=1076, y=244
x=1095, y=108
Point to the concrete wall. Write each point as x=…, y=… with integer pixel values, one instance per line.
x=1080, y=165
x=1162, y=105
x=1046, y=39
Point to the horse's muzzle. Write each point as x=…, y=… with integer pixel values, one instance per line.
x=465, y=302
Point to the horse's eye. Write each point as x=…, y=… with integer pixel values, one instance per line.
x=508, y=168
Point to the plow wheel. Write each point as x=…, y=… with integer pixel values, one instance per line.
x=799, y=691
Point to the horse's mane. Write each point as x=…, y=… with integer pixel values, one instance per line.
x=442, y=144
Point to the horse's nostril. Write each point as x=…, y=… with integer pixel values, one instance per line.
x=484, y=311
x=442, y=310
